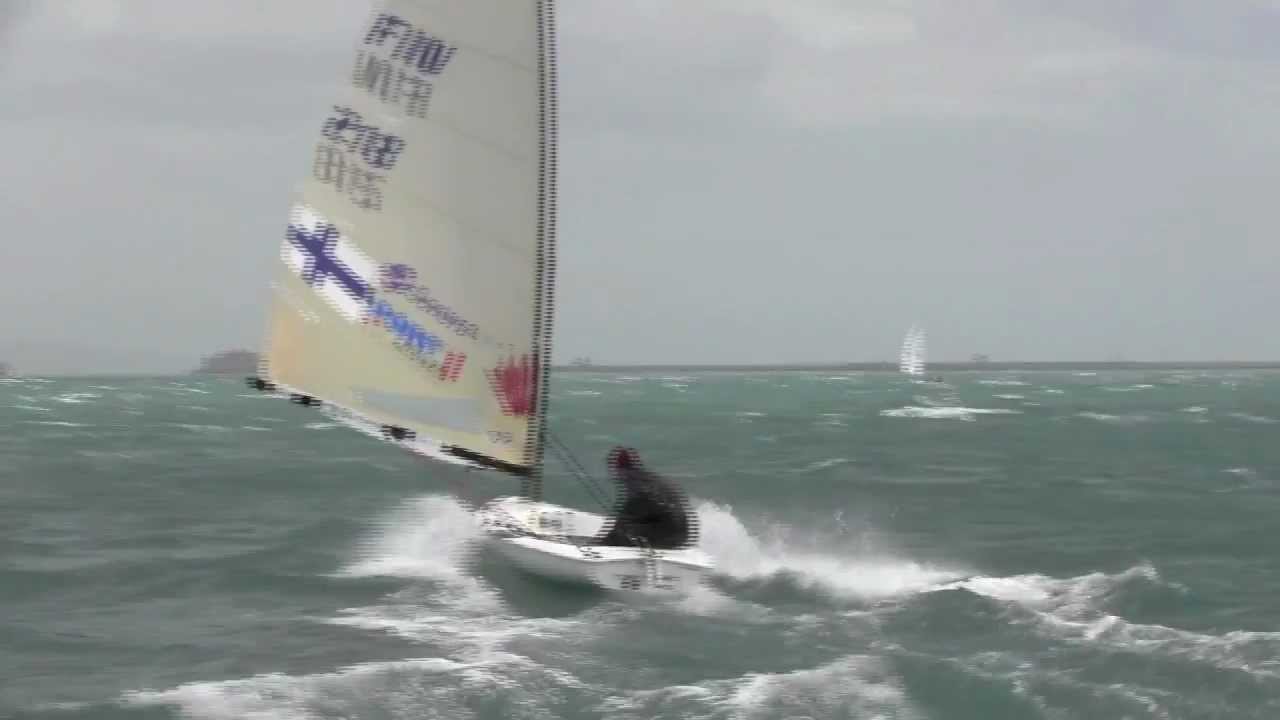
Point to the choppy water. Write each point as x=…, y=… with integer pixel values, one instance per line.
x=1012, y=546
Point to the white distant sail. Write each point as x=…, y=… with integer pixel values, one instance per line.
x=414, y=292
x=912, y=359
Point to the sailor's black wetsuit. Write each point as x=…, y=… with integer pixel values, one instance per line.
x=650, y=509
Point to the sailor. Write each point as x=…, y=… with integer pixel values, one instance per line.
x=650, y=510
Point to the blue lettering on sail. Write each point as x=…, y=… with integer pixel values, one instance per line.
x=412, y=46
x=349, y=148
x=409, y=332
x=403, y=76
x=348, y=129
x=395, y=86
x=402, y=279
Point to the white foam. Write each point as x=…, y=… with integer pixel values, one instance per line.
x=966, y=414
x=706, y=601
x=201, y=428
x=76, y=398
x=822, y=465
x=1253, y=418
x=471, y=632
x=421, y=538
x=1068, y=609
x=1128, y=419
x=741, y=556
x=851, y=686
x=348, y=691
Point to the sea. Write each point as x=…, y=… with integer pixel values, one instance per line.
x=999, y=545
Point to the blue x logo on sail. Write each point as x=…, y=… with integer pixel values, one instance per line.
x=344, y=276
x=320, y=262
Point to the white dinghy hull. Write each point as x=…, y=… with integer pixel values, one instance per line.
x=549, y=540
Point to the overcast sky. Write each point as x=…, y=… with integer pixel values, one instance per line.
x=742, y=180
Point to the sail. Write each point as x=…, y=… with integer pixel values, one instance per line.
x=413, y=290
x=911, y=360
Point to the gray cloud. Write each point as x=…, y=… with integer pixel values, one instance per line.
x=742, y=180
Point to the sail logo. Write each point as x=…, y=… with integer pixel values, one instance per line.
x=342, y=275
x=515, y=385
x=328, y=263
x=451, y=368
x=407, y=331
x=402, y=279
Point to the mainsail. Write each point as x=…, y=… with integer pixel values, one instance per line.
x=414, y=289
x=911, y=360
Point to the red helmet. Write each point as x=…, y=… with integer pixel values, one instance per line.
x=621, y=457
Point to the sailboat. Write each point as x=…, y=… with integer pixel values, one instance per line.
x=911, y=360
x=413, y=297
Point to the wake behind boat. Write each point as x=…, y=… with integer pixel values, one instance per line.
x=414, y=297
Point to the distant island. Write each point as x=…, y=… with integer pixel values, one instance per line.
x=230, y=362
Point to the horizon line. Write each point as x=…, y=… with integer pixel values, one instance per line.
x=877, y=366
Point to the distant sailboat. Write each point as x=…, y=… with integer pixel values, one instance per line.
x=414, y=293
x=911, y=360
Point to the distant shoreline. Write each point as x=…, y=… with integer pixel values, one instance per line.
x=933, y=368
x=938, y=367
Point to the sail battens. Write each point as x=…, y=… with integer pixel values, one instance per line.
x=415, y=275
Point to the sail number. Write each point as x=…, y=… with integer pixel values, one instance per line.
x=351, y=154
x=400, y=78
x=349, y=130
x=333, y=167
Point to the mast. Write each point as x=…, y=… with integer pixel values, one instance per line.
x=544, y=302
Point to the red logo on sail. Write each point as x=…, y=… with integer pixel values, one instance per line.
x=451, y=368
x=515, y=385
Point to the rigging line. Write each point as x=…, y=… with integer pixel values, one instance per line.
x=579, y=473
x=571, y=461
